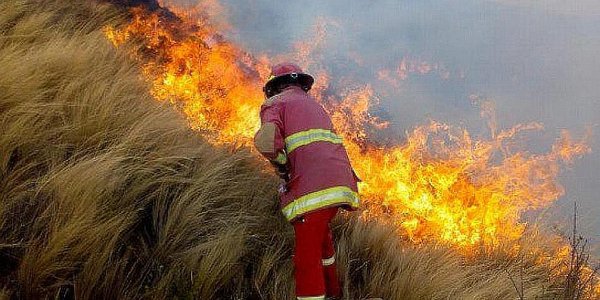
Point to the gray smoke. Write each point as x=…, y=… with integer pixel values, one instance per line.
x=538, y=60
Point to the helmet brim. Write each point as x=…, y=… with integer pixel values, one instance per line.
x=303, y=79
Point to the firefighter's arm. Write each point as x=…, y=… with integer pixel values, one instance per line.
x=269, y=139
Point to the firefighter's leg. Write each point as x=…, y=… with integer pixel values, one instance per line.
x=308, y=270
x=332, y=284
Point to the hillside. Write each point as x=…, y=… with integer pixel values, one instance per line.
x=106, y=193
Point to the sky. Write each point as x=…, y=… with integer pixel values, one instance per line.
x=536, y=59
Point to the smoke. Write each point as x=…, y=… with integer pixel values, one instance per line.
x=537, y=60
x=577, y=8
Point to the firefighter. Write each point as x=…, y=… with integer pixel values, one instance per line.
x=298, y=138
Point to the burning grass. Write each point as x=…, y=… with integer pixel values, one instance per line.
x=441, y=184
x=107, y=193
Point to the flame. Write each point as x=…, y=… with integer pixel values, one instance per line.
x=214, y=83
x=444, y=185
x=440, y=184
x=414, y=65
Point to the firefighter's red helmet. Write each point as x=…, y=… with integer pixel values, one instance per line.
x=288, y=73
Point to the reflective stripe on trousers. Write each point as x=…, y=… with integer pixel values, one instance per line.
x=328, y=261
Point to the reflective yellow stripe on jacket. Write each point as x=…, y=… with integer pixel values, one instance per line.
x=319, y=199
x=306, y=137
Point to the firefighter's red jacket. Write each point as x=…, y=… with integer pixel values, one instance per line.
x=296, y=131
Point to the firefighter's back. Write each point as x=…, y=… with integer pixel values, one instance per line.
x=316, y=155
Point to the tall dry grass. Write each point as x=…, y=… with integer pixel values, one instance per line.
x=106, y=194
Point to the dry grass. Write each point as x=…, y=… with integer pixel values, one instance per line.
x=105, y=193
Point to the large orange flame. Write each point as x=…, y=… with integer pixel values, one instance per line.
x=440, y=184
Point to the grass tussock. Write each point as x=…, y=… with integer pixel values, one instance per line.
x=107, y=194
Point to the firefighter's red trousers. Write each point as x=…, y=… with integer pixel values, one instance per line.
x=314, y=260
